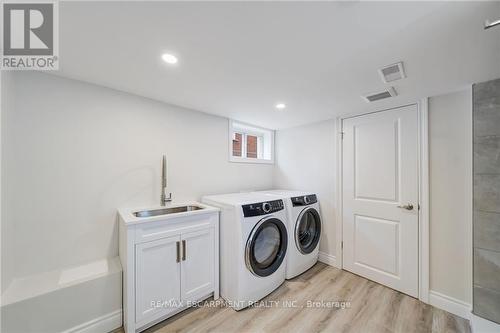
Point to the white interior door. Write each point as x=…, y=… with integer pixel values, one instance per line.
x=380, y=197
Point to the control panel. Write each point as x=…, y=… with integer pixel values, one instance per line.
x=304, y=200
x=262, y=208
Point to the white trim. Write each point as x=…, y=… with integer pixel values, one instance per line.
x=253, y=130
x=106, y=323
x=469, y=194
x=423, y=160
x=338, y=195
x=450, y=304
x=423, y=198
x=327, y=259
x=481, y=325
x=234, y=159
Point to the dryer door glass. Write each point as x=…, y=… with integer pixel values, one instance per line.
x=266, y=247
x=308, y=230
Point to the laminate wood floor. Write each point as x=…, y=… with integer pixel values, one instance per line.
x=371, y=308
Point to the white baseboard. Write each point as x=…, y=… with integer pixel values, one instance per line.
x=327, y=259
x=106, y=323
x=450, y=304
x=481, y=325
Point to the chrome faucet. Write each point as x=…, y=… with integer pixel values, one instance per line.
x=164, y=198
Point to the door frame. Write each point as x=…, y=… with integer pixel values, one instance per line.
x=423, y=193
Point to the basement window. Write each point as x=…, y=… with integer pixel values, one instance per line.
x=250, y=144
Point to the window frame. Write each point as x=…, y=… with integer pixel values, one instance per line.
x=248, y=129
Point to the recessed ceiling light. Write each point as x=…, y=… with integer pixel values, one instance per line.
x=169, y=58
x=280, y=106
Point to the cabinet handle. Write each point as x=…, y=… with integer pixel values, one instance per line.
x=178, y=245
x=183, y=249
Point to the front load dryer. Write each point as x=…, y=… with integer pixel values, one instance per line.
x=304, y=229
x=253, y=246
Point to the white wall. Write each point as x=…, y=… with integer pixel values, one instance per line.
x=305, y=160
x=5, y=229
x=450, y=173
x=73, y=152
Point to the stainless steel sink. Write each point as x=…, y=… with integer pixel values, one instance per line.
x=166, y=211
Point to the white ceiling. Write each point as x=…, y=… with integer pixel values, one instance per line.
x=238, y=59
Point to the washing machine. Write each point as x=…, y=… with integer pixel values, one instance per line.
x=304, y=229
x=253, y=246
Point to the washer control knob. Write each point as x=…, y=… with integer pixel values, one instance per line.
x=266, y=207
x=306, y=200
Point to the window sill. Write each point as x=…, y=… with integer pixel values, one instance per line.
x=250, y=160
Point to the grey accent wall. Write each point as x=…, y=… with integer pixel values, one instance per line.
x=486, y=277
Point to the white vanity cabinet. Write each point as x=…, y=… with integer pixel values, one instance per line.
x=169, y=263
x=155, y=264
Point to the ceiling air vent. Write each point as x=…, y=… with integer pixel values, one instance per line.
x=392, y=72
x=376, y=96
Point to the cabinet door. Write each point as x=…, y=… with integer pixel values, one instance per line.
x=198, y=262
x=158, y=273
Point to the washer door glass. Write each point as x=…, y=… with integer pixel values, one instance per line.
x=266, y=247
x=308, y=230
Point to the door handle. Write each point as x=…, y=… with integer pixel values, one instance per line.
x=183, y=249
x=407, y=207
x=178, y=246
